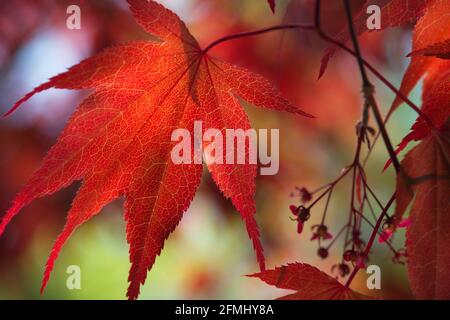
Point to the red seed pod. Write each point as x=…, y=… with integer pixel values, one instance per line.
x=320, y=231
x=350, y=255
x=322, y=252
x=342, y=269
x=301, y=214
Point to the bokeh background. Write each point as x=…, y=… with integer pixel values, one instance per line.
x=209, y=254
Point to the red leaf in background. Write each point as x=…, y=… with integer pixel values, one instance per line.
x=433, y=27
x=272, y=5
x=435, y=102
x=435, y=105
x=433, y=33
x=426, y=169
x=393, y=13
x=309, y=282
x=427, y=177
x=426, y=173
x=430, y=36
x=119, y=139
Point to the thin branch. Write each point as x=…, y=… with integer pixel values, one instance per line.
x=368, y=90
x=316, y=27
x=257, y=32
x=366, y=83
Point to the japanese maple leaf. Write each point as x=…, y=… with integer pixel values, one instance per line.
x=431, y=29
x=431, y=35
x=393, y=13
x=118, y=141
x=426, y=175
x=425, y=169
x=309, y=282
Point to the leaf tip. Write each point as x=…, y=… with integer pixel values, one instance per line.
x=272, y=5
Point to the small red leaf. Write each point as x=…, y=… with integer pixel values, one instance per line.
x=309, y=282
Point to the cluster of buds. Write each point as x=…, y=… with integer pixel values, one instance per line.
x=354, y=253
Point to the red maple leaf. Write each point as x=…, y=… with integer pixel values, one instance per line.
x=431, y=35
x=425, y=170
x=118, y=141
x=394, y=13
x=309, y=282
x=427, y=176
x=431, y=29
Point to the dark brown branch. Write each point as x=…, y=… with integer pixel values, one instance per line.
x=368, y=90
x=366, y=83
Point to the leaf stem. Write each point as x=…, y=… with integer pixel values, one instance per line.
x=257, y=32
x=368, y=89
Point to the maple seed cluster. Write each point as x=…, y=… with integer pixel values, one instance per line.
x=354, y=253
